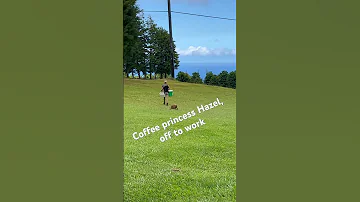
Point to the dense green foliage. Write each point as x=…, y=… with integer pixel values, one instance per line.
x=183, y=77
x=224, y=79
x=196, y=78
x=131, y=33
x=146, y=46
x=231, y=80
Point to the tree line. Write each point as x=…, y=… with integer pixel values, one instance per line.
x=224, y=79
x=146, y=45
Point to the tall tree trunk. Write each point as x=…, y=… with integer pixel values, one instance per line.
x=165, y=75
x=132, y=74
x=150, y=75
x=139, y=74
x=155, y=75
x=127, y=74
x=161, y=76
x=144, y=73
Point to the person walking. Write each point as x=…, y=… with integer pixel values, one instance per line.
x=165, y=88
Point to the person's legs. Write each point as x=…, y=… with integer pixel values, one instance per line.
x=166, y=98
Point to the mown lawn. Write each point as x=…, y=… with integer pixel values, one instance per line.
x=198, y=165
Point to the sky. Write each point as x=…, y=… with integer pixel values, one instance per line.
x=198, y=39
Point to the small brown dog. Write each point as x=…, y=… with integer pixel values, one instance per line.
x=173, y=107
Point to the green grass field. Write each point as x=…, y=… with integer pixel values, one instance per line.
x=198, y=165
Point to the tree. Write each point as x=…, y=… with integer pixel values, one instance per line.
x=151, y=46
x=196, y=78
x=211, y=79
x=208, y=78
x=162, y=52
x=141, y=52
x=231, y=80
x=146, y=46
x=222, y=78
x=183, y=77
x=214, y=80
x=176, y=57
x=131, y=34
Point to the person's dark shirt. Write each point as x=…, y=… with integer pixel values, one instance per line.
x=165, y=87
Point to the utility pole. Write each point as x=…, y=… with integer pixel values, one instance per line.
x=171, y=42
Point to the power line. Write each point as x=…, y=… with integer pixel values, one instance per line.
x=207, y=16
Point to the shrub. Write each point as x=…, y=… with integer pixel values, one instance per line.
x=223, y=78
x=231, y=80
x=183, y=77
x=196, y=78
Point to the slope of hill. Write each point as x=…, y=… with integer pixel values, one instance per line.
x=198, y=165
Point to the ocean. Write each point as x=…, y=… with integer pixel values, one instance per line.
x=202, y=68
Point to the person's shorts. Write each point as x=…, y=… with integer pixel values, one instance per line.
x=166, y=93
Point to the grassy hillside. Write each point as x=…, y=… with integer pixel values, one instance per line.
x=198, y=165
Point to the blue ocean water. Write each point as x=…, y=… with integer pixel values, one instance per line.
x=202, y=68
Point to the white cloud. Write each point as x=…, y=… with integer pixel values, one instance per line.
x=204, y=51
